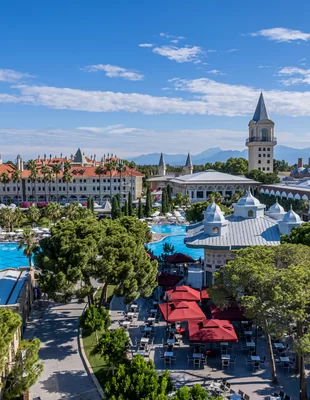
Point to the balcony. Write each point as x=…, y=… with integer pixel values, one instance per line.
x=272, y=142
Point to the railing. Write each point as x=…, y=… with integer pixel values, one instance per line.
x=263, y=140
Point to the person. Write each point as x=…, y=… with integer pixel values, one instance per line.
x=185, y=268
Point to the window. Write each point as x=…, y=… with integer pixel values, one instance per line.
x=199, y=194
x=97, y=180
x=28, y=189
x=268, y=168
x=73, y=181
x=118, y=180
x=85, y=188
x=250, y=213
x=263, y=168
x=264, y=134
x=81, y=180
x=84, y=180
x=28, y=180
x=94, y=188
x=264, y=148
x=259, y=155
x=59, y=180
x=264, y=155
x=64, y=188
x=39, y=188
x=268, y=161
x=53, y=188
x=259, y=168
x=268, y=155
x=104, y=180
x=259, y=149
x=70, y=188
x=252, y=132
x=268, y=148
x=14, y=188
x=114, y=180
x=115, y=188
x=104, y=188
x=81, y=188
x=60, y=188
x=94, y=180
x=98, y=188
x=215, y=230
x=259, y=161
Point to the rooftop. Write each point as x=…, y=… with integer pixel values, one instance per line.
x=211, y=175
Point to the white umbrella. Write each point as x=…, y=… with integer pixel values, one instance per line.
x=35, y=229
x=142, y=219
x=177, y=214
x=38, y=231
x=45, y=229
x=46, y=235
x=155, y=214
x=19, y=230
x=11, y=233
x=168, y=214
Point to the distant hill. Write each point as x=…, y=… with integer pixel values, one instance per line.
x=212, y=155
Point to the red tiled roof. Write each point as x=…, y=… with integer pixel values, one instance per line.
x=7, y=168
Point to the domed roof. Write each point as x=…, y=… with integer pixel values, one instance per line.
x=248, y=200
x=216, y=216
x=291, y=217
x=305, y=171
x=297, y=170
x=276, y=209
x=212, y=207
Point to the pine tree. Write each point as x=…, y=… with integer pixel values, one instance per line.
x=88, y=203
x=148, y=204
x=130, y=204
x=92, y=204
x=126, y=208
x=164, y=201
x=116, y=212
x=140, y=209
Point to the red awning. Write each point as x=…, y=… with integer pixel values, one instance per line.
x=211, y=330
x=179, y=258
x=185, y=293
x=167, y=280
x=232, y=313
x=181, y=311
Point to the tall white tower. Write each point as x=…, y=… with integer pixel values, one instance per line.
x=261, y=139
x=162, y=166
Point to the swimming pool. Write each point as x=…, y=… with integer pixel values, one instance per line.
x=169, y=229
x=179, y=247
x=11, y=257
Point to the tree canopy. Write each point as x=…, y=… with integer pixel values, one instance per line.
x=195, y=212
x=95, y=319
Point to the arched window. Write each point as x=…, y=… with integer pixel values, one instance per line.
x=250, y=213
x=264, y=133
x=252, y=133
x=215, y=230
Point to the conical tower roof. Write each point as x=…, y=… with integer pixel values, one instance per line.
x=261, y=111
x=189, y=161
x=79, y=158
x=161, y=161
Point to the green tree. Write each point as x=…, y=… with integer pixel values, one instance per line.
x=95, y=319
x=26, y=369
x=197, y=392
x=56, y=171
x=138, y=229
x=168, y=248
x=33, y=175
x=236, y=166
x=110, y=167
x=5, y=179
x=28, y=244
x=112, y=347
x=99, y=171
x=266, y=178
x=281, y=166
x=181, y=199
x=130, y=204
x=126, y=208
x=52, y=212
x=148, y=203
x=16, y=178
x=7, y=217
x=46, y=172
x=138, y=380
x=9, y=323
x=164, y=204
x=298, y=235
x=33, y=214
x=18, y=217
x=116, y=211
x=140, y=209
x=67, y=178
x=195, y=212
x=216, y=197
x=120, y=168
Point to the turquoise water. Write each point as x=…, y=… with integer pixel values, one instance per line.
x=169, y=229
x=179, y=247
x=11, y=257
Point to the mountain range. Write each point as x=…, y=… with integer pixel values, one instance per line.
x=289, y=154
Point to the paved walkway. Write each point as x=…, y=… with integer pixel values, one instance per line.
x=64, y=375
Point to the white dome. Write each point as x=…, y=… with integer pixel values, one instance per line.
x=276, y=209
x=291, y=217
x=216, y=216
x=212, y=207
x=248, y=200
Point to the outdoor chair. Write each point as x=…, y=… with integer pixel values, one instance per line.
x=246, y=397
x=167, y=360
x=248, y=361
x=174, y=358
x=262, y=362
x=256, y=365
x=197, y=362
x=225, y=364
x=189, y=359
x=233, y=362
x=232, y=391
x=241, y=393
x=286, y=365
x=282, y=394
x=287, y=397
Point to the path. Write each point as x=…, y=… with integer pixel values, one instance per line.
x=64, y=375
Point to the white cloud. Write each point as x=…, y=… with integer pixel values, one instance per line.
x=9, y=75
x=180, y=54
x=215, y=72
x=167, y=36
x=113, y=71
x=174, y=41
x=232, y=50
x=264, y=66
x=146, y=45
x=282, y=34
x=303, y=76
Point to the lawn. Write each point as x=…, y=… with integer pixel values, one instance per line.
x=110, y=293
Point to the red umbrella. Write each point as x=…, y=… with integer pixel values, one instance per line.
x=185, y=293
x=167, y=280
x=204, y=294
x=232, y=313
x=179, y=258
x=181, y=311
x=211, y=330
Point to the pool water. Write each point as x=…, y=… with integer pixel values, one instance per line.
x=11, y=257
x=169, y=229
x=179, y=247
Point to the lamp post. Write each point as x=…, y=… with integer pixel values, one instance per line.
x=167, y=299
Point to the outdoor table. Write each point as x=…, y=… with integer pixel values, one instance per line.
x=248, y=333
x=126, y=323
x=144, y=340
x=235, y=396
x=168, y=354
x=153, y=311
x=151, y=319
x=224, y=344
x=131, y=314
x=170, y=341
x=255, y=358
x=279, y=345
x=197, y=355
x=250, y=344
x=284, y=359
x=134, y=306
x=215, y=385
x=225, y=356
x=141, y=353
x=147, y=329
x=155, y=303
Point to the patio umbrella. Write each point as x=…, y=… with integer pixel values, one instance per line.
x=211, y=330
x=19, y=230
x=181, y=311
x=168, y=214
x=179, y=258
x=204, y=294
x=167, y=280
x=232, y=313
x=184, y=293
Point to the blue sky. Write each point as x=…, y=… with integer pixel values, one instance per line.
x=143, y=76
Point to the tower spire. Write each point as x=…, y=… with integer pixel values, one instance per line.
x=162, y=161
x=261, y=110
x=188, y=161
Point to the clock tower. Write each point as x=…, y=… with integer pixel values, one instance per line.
x=261, y=139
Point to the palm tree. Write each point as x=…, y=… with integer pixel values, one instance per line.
x=67, y=166
x=16, y=177
x=29, y=245
x=7, y=216
x=33, y=175
x=120, y=168
x=5, y=179
x=99, y=171
x=18, y=216
x=53, y=212
x=67, y=178
x=56, y=170
x=110, y=166
x=73, y=211
x=33, y=214
x=46, y=172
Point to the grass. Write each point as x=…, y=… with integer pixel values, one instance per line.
x=110, y=293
